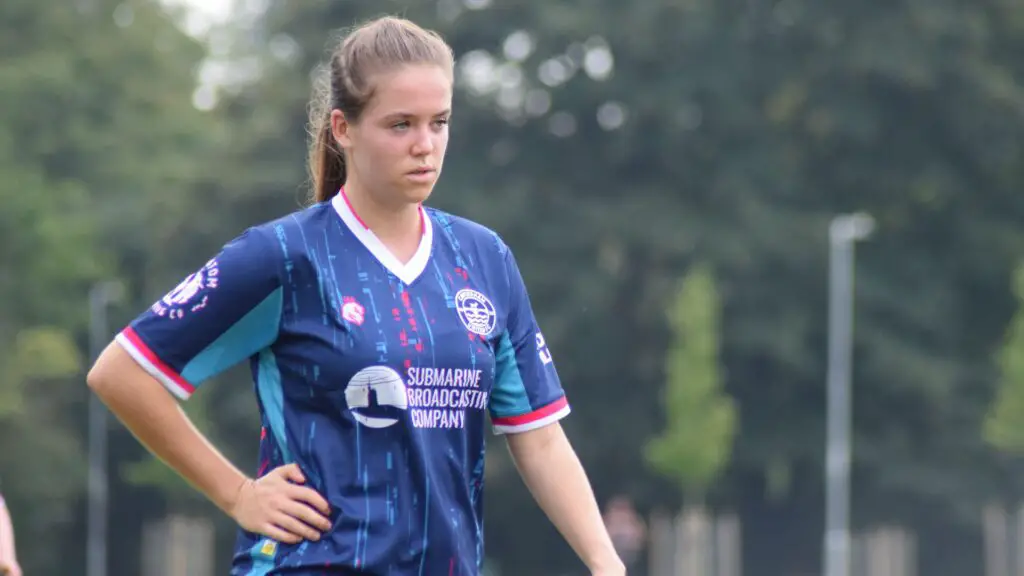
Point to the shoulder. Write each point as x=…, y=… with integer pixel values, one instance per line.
x=468, y=234
x=264, y=253
x=286, y=235
x=295, y=222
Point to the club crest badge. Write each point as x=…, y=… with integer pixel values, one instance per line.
x=475, y=312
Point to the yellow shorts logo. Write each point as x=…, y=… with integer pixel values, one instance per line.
x=269, y=548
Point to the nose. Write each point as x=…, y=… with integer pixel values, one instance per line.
x=424, y=143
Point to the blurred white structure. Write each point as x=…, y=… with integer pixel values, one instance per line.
x=178, y=546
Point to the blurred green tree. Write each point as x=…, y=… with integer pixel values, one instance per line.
x=97, y=136
x=700, y=419
x=1003, y=427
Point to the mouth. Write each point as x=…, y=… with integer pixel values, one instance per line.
x=421, y=172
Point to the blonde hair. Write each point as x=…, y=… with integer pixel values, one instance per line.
x=378, y=46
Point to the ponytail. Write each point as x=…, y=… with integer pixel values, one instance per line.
x=327, y=163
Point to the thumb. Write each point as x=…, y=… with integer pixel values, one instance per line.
x=293, y=472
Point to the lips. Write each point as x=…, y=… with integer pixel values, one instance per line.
x=421, y=171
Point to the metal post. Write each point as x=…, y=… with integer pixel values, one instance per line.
x=100, y=297
x=844, y=232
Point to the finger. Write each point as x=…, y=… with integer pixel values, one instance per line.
x=311, y=497
x=293, y=473
x=275, y=533
x=308, y=515
x=296, y=527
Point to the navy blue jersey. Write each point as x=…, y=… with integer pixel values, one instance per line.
x=375, y=377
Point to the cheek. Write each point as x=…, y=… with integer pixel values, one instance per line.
x=380, y=153
x=441, y=142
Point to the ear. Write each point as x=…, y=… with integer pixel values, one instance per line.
x=340, y=128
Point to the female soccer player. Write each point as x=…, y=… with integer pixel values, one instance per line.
x=8, y=557
x=379, y=334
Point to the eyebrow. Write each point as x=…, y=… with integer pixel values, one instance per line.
x=403, y=115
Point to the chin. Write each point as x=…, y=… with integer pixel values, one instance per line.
x=417, y=194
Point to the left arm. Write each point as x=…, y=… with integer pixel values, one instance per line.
x=526, y=403
x=553, y=473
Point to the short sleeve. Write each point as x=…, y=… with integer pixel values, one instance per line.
x=527, y=392
x=215, y=318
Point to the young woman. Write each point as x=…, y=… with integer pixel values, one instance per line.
x=8, y=556
x=380, y=334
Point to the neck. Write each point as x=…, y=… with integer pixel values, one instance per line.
x=397, y=226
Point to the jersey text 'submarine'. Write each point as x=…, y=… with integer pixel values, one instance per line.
x=374, y=376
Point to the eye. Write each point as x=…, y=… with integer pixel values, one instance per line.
x=400, y=126
x=441, y=123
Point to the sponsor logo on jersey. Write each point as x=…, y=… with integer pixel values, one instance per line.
x=191, y=295
x=268, y=548
x=387, y=388
x=353, y=312
x=475, y=311
x=542, y=350
x=378, y=396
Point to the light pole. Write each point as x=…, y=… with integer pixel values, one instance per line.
x=844, y=232
x=100, y=297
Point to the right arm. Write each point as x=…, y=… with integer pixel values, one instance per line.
x=149, y=411
x=225, y=313
x=277, y=507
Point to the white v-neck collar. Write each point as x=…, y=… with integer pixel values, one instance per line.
x=408, y=272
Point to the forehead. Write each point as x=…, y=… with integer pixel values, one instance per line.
x=416, y=90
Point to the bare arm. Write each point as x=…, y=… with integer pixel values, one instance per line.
x=274, y=506
x=149, y=411
x=8, y=556
x=553, y=473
